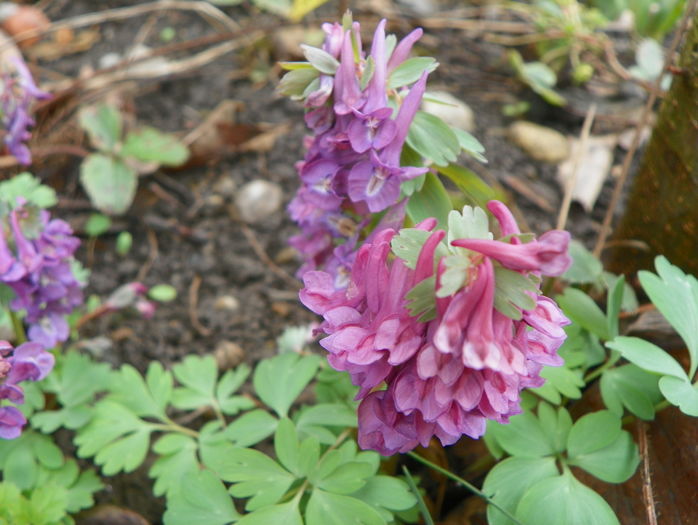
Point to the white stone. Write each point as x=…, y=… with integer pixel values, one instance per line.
x=453, y=112
x=257, y=200
x=539, y=142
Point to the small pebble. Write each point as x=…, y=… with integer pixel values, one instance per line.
x=257, y=200
x=540, y=143
x=226, y=303
x=453, y=112
x=228, y=355
x=281, y=308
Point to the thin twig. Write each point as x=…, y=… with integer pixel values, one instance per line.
x=264, y=257
x=579, y=154
x=194, y=305
x=644, y=118
x=152, y=255
x=647, y=493
x=208, y=11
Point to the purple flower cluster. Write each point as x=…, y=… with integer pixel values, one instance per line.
x=352, y=165
x=27, y=362
x=17, y=93
x=36, y=263
x=444, y=377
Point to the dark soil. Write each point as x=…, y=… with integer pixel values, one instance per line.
x=183, y=221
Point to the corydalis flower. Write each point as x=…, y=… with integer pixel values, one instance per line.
x=27, y=362
x=468, y=362
x=36, y=263
x=352, y=165
x=17, y=94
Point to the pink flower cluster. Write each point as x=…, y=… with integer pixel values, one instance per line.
x=448, y=376
x=352, y=166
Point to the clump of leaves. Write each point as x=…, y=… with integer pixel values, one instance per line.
x=110, y=176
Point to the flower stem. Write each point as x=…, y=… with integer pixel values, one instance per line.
x=472, y=488
x=18, y=328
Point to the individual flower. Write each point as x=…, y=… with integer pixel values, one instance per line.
x=27, y=362
x=443, y=374
x=36, y=263
x=17, y=94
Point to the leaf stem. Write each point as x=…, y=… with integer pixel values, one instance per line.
x=612, y=360
x=170, y=425
x=472, y=488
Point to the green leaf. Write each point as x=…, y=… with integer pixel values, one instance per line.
x=80, y=493
x=320, y=59
x=327, y=414
x=308, y=455
x=593, y=432
x=163, y=293
x=471, y=223
x=326, y=508
x=202, y=498
x=475, y=189
x=407, y=244
x=198, y=375
x=294, y=82
x=431, y=201
x=251, y=428
x=346, y=478
x=538, y=76
x=470, y=144
x=75, y=380
x=282, y=514
x=228, y=384
x=675, y=294
x=151, y=145
x=680, y=392
x=386, y=492
x=647, y=356
x=563, y=380
x=614, y=463
x=255, y=476
x=47, y=504
x=177, y=460
x=632, y=387
x=280, y=380
x=585, y=267
x=512, y=293
x=287, y=446
x=556, y=424
x=563, y=499
x=507, y=482
x=582, y=309
x=615, y=301
x=410, y=70
x=117, y=437
x=433, y=139
x=124, y=454
x=103, y=125
x=421, y=300
x=523, y=436
x=144, y=398
x=110, y=184
x=28, y=187
x=97, y=224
